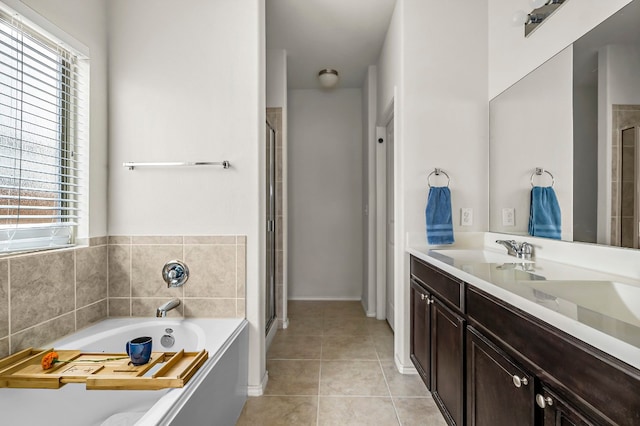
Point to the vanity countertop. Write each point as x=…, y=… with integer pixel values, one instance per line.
x=598, y=308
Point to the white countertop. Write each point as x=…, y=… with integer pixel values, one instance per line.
x=599, y=308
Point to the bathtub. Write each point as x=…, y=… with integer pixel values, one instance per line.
x=215, y=395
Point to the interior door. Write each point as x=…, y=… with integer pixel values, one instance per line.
x=390, y=226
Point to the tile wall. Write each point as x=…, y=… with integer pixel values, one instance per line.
x=622, y=214
x=47, y=295
x=216, y=285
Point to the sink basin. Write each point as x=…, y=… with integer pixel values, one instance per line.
x=477, y=256
x=613, y=299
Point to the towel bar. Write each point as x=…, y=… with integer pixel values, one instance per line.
x=225, y=164
x=438, y=172
x=538, y=172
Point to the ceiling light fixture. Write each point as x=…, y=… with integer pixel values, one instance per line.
x=328, y=78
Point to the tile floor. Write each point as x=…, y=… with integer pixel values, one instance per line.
x=334, y=366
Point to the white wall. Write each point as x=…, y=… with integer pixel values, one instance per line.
x=86, y=21
x=276, y=78
x=187, y=84
x=389, y=66
x=585, y=161
x=325, y=194
x=512, y=56
x=532, y=126
x=441, y=119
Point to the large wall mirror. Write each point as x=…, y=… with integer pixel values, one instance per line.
x=577, y=116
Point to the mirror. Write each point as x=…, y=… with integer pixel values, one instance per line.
x=577, y=117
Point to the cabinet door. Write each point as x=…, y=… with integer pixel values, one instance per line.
x=558, y=412
x=447, y=360
x=499, y=392
x=420, y=346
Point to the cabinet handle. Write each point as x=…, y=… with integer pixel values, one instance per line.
x=543, y=401
x=426, y=297
x=517, y=381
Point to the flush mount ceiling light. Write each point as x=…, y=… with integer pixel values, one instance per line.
x=328, y=78
x=542, y=9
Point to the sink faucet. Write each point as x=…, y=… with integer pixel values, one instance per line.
x=162, y=310
x=522, y=250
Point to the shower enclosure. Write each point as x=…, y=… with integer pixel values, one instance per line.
x=270, y=311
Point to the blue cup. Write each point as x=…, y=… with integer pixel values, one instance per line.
x=139, y=350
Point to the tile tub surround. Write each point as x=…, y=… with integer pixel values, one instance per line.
x=320, y=374
x=49, y=294
x=216, y=285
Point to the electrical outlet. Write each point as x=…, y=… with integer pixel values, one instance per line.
x=509, y=216
x=466, y=216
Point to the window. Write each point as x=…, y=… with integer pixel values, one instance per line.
x=41, y=110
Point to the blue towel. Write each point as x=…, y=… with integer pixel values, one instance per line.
x=544, y=217
x=438, y=215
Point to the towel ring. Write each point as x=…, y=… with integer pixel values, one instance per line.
x=438, y=172
x=539, y=171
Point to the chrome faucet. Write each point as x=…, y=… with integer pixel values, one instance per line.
x=522, y=250
x=162, y=310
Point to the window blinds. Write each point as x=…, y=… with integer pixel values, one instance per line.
x=41, y=93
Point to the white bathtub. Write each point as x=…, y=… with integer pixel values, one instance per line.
x=215, y=395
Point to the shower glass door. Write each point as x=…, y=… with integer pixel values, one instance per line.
x=270, y=311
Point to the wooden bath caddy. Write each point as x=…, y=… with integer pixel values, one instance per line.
x=164, y=370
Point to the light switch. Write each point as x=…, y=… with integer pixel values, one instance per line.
x=509, y=216
x=466, y=216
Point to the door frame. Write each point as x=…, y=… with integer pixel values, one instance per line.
x=381, y=212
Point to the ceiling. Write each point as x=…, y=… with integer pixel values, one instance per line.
x=346, y=35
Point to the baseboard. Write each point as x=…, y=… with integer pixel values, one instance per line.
x=258, y=390
x=404, y=368
x=283, y=324
x=327, y=299
x=371, y=314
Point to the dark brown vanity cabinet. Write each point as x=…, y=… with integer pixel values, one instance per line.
x=437, y=338
x=447, y=361
x=500, y=392
x=576, y=384
x=420, y=346
x=557, y=412
x=487, y=362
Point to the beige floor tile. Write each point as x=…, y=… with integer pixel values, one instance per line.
x=335, y=309
x=288, y=377
x=379, y=328
x=403, y=384
x=352, y=411
x=305, y=308
x=354, y=378
x=304, y=326
x=348, y=347
x=418, y=412
x=279, y=411
x=295, y=347
x=384, y=347
x=345, y=326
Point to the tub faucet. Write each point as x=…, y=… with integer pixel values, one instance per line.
x=522, y=250
x=162, y=310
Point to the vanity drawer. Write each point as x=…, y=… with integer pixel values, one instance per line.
x=441, y=284
x=587, y=376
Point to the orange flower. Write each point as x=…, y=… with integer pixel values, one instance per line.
x=48, y=360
